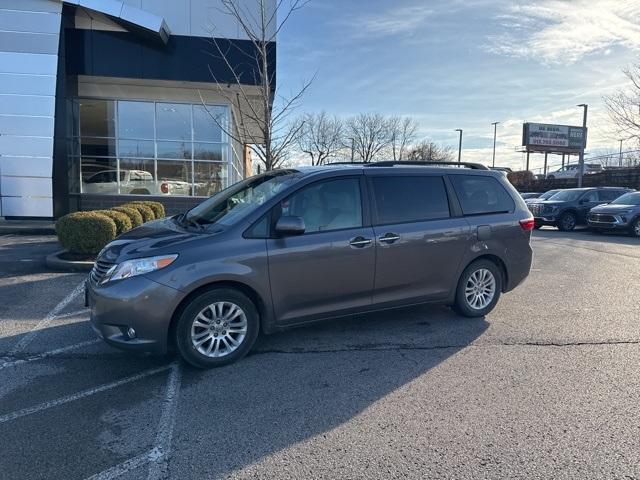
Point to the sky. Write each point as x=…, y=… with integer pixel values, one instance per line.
x=465, y=64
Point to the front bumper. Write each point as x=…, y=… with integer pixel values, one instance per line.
x=138, y=303
x=607, y=222
x=546, y=220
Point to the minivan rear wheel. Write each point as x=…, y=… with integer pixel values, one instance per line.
x=217, y=327
x=478, y=289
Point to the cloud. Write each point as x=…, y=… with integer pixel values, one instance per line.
x=395, y=21
x=562, y=31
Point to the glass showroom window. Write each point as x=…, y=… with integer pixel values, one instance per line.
x=152, y=148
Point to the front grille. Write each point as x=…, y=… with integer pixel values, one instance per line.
x=536, y=209
x=100, y=268
x=601, y=217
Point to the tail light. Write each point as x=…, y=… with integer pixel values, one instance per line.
x=164, y=187
x=528, y=224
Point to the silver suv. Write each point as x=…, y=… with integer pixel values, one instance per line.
x=621, y=214
x=290, y=247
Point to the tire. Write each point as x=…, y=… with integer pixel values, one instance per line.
x=635, y=228
x=477, y=271
x=537, y=227
x=210, y=335
x=567, y=222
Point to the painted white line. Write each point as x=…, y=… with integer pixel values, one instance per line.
x=48, y=354
x=72, y=314
x=159, y=469
x=78, y=395
x=126, y=466
x=28, y=338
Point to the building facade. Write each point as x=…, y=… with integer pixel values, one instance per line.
x=106, y=100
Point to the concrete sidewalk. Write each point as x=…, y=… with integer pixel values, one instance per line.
x=27, y=227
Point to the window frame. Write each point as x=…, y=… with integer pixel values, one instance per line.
x=454, y=208
x=501, y=212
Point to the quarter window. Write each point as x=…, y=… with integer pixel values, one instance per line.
x=410, y=199
x=329, y=205
x=481, y=195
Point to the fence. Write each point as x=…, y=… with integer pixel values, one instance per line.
x=619, y=177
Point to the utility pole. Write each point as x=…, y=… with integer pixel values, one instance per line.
x=620, y=157
x=527, y=161
x=459, y=144
x=581, y=160
x=495, y=126
x=545, y=164
x=352, y=150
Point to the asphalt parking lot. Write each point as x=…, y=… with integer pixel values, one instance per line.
x=547, y=386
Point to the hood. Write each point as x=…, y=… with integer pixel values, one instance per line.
x=158, y=237
x=608, y=208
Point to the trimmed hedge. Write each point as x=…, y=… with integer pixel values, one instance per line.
x=122, y=220
x=146, y=212
x=133, y=214
x=157, y=207
x=85, y=232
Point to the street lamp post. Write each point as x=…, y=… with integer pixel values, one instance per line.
x=459, y=144
x=581, y=161
x=495, y=127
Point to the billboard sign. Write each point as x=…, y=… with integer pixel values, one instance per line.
x=543, y=136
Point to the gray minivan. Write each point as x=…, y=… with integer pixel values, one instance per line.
x=294, y=246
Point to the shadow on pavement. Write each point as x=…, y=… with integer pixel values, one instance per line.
x=295, y=385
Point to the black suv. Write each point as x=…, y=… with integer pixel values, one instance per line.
x=570, y=207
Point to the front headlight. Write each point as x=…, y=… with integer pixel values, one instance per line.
x=137, y=266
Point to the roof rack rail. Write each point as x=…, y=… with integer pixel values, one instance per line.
x=391, y=163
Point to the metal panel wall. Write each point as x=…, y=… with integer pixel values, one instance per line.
x=29, y=38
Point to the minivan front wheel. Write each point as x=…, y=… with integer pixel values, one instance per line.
x=218, y=327
x=478, y=289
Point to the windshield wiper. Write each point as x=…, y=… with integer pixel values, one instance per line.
x=185, y=221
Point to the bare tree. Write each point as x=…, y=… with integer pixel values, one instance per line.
x=320, y=137
x=427, y=151
x=624, y=106
x=403, y=132
x=264, y=114
x=369, y=135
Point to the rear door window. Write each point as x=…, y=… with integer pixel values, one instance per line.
x=480, y=195
x=401, y=199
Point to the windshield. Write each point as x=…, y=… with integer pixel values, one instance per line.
x=548, y=194
x=236, y=202
x=628, y=199
x=568, y=195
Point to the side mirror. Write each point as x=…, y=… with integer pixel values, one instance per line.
x=290, y=225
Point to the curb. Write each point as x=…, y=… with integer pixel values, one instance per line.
x=54, y=262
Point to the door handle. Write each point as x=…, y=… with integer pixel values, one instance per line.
x=359, y=242
x=389, y=238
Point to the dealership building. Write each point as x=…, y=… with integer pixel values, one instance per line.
x=102, y=101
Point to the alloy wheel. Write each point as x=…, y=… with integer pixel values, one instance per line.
x=219, y=329
x=480, y=289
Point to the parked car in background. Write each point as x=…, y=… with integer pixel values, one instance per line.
x=545, y=196
x=530, y=195
x=294, y=246
x=501, y=169
x=571, y=171
x=621, y=214
x=133, y=182
x=570, y=207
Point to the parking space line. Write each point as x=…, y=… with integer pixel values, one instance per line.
x=28, y=338
x=72, y=314
x=126, y=466
x=50, y=353
x=79, y=395
x=159, y=469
